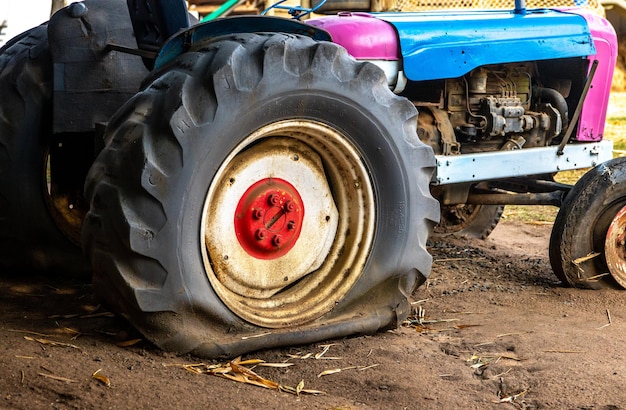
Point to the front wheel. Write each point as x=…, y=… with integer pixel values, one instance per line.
x=263, y=185
x=587, y=246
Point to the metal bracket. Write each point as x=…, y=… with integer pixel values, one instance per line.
x=485, y=166
x=133, y=51
x=296, y=12
x=574, y=120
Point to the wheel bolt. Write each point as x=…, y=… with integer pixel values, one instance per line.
x=257, y=214
x=277, y=241
x=273, y=199
x=289, y=206
x=260, y=234
x=291, y=225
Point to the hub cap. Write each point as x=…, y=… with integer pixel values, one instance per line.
x=268, y=218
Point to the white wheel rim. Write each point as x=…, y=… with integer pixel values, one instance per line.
x=314, y=170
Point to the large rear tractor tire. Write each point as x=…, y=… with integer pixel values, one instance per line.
x=36, y=232
x=587, y=245
x=264, y=185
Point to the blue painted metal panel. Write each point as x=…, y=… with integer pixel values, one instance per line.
x=204, y=32
x=450, y=44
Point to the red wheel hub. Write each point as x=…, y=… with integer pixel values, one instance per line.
x=268, y=218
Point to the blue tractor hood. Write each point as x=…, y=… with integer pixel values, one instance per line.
x=437, y=45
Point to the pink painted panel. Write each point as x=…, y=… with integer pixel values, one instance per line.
x=364, y=36
x=593, y=115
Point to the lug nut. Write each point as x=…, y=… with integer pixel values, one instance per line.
x=291, y=225
x=257, y=214
x=277, y=241
x=260, y=234
x=273, y=199
x=289, y=206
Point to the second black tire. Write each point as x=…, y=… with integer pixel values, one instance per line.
x=30, y=239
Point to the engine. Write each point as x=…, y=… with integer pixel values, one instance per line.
x=491, y=108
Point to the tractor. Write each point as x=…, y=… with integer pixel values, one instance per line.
x=257, y=181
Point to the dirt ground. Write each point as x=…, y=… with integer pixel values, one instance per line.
x=493, y=328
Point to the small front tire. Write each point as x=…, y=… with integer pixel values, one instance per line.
x=590, y=219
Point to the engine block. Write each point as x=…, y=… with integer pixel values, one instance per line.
x=498, y=102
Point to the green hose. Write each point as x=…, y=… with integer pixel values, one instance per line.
x=221, y=10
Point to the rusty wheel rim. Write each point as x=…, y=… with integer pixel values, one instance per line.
x=615, y=247
x=288, y=223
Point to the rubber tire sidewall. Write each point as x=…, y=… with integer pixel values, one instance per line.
x=582, y=222
x=400, y=172
x=29, y=237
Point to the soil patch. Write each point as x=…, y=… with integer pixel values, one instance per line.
x=492, y=328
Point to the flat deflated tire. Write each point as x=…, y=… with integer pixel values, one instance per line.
x=263, y=185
